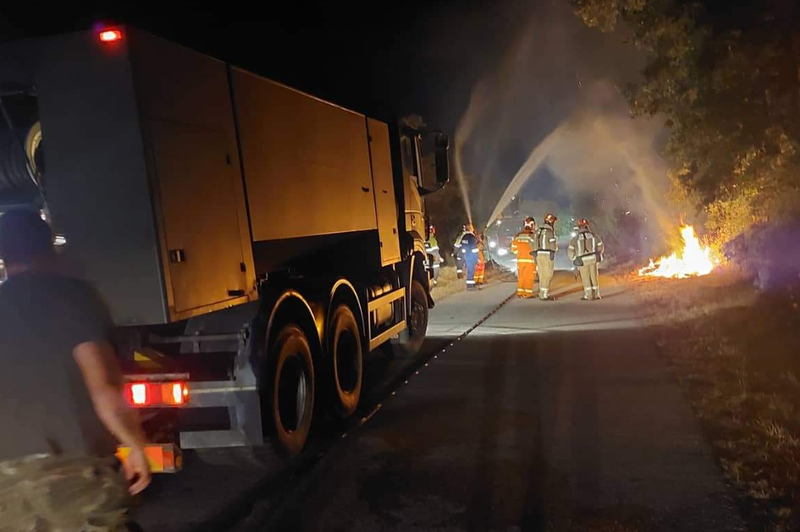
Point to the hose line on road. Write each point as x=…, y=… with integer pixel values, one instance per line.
x=460, y=337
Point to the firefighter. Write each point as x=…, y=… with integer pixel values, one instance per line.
x=546, y=247
x=480, y=267
x=586, y=252
x=522, y=246
x=469, y=252
x=432, y=247
x=457, y=251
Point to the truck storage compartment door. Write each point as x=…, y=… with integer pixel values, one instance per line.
x=383, y=183
x=198, y=205
x=306, y=162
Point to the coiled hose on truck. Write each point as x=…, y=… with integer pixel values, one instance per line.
x=14, y=174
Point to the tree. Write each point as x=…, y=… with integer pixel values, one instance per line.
x=445, y=210
x=727, y=79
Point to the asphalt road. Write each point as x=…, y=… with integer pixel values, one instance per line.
x=549, y=416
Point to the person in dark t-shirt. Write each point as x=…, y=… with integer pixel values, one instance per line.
x=62, y=408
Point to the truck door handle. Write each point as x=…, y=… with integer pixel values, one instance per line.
x=177, y=256
x=365, y=189
x=235, y=293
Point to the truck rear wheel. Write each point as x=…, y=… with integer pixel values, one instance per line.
x=345, y=362
x=410, y=341
x=291, y=400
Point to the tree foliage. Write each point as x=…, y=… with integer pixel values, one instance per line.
x=446, y=212
x=726, y=76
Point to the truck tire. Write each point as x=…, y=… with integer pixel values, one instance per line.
x=410, y=340
x=345, y=362
x=291, y=394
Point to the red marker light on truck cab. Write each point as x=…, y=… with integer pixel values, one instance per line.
x=156, y=394
x=110, y=35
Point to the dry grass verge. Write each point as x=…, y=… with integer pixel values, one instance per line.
x=450, y=284
x=736, y=354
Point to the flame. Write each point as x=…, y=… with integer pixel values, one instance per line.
x=695, y=260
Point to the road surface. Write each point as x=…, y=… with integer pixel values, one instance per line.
x=548, y=416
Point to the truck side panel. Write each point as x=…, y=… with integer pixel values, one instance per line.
x=96, y=180
x=306, y=162
x=185, y=102
x=199, y=217
x=383, y=183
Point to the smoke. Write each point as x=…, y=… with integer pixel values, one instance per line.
x=548, y=124
x=526, y=171
x=603, y=153
x=484, y=96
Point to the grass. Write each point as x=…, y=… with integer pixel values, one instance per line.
x=736, y=354
x=450, y=284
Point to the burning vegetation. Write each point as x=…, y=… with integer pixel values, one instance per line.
x=693, y=260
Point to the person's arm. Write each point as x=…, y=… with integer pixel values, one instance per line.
x=101, y=373
x=572, y=250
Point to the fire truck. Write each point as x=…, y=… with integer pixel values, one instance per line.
x=253, y=243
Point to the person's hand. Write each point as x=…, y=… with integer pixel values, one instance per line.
x=137, y=470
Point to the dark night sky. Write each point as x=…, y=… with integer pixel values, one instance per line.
x=365, y=55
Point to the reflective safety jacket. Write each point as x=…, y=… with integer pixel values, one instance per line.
x=457, y=242
x=585, y=244
x=469, y=245
x=432, y=247
x=546, y=239
x=523, y=246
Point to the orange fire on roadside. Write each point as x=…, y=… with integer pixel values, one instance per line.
x=694, y=260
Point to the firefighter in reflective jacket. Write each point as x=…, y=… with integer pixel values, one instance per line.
x=546, y=247
x=586, y=252
x=457, y=251
x=480, y=267
x=522, y=246
x=432, y=247
x=469, y=252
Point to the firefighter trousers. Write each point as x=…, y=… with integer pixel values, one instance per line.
x=591, y=285
x=480, y=272
x=471, y=262
x=526, y=272
x=545, y=267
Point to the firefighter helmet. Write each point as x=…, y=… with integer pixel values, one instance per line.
x=550, y=219
x=529, y=223
x=583, y=222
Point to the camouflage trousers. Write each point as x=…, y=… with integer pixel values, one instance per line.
x=45, y=493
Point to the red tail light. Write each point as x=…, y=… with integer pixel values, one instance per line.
x=110, y=35
x=151, y=394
